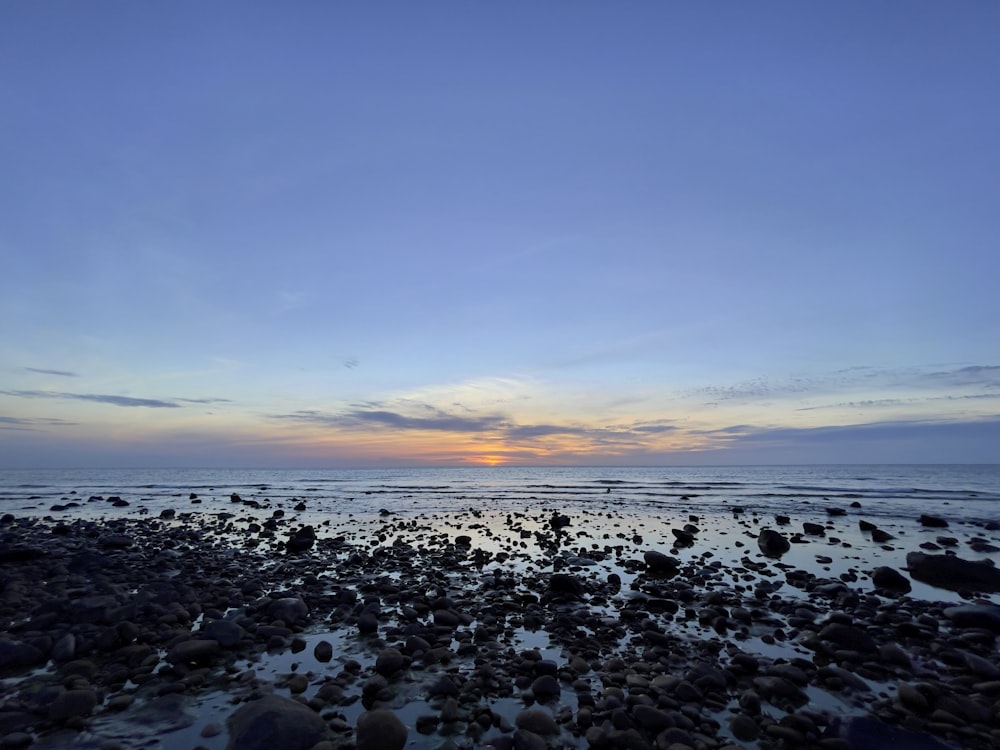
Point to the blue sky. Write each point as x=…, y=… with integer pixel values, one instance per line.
x=351, y=234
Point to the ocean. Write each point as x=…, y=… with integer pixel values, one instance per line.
x=967, y=492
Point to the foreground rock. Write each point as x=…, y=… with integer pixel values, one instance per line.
x=272, y=722
x=381, y=730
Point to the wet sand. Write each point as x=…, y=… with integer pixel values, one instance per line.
x=231, y=625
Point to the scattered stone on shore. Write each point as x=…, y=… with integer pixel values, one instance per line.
x=890, y=579
x=934, y=522
x=616, y=645
x=772, y=543
x=953, y=573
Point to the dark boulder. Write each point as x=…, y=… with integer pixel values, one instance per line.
x=953, y=573
x=380, y=730
x=890, y=579
x=772, y=543
x=933, y=522
x=660, y=564
x=272, y=722
x=301, y=540
x=982, y=616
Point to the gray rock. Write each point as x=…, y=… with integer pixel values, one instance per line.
x=72, y=703
x=545, y=687
x=953, y=573
x=389, y=661
x=323, y=651
x=985, y=616
x=537, y=721
x=273, y=722
x=772, y=543
x=865, y=732
x=289, y=610
x=890, y=579
x=193, y=651
x=660, y=564
x=225, y=632
x=380, y=730
x=933, y=522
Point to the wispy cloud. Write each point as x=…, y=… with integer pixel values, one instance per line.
x=60, y=373
x=101, y=398
x=440, y=421
x=32, y=423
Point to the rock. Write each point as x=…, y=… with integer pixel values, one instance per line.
x=72, y=703
x=890, y=579
x=744, y=728
x=984, y=616
x=225, y=632
x=660, y=564
x=651, y=719
x=814, y=529
x=933, y=522
x=289, y=610
x=389, y=661
x=380, y=730
x=272, y=722
x=879, y=536
x=115, y=541
x=683, y=538
x=772, y=543
x=865, y=732
x=545, y=687
x=559, y=521
x=301, y=540
x=64, y=649
x=193, y=651
x=323, y=651
x=848, y=637
x=537, y=721
x=953, y=573
x=565, y=584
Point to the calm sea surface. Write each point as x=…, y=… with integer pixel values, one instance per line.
x=961, y=491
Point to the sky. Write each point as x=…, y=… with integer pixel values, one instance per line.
x=311, y=234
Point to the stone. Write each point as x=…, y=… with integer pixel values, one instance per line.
x=744, y=728
x=72, y=703
x=772, y=543
x=323, y=651
x=225, y=632
x=380, y=730
x=814, y=529
x=272, y=722
x=389, y=661
x=289, y=610
x=984, y=616
x=933, y=522
x=890, y=579
x=301, y=540
x=537, y=721
x=866, y=732
x=545, y=687
x=193, y=651
x=565, y=584
x=953, y=573
x=660, y=564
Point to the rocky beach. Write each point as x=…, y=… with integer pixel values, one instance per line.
x=245, y=622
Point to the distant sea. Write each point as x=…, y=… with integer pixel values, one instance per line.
x=969, y=492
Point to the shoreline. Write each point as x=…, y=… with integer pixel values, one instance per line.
x=477, y=628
